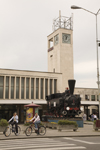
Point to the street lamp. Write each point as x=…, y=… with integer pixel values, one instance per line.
x=97, y=44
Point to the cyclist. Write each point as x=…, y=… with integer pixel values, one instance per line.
x=15, y=121
x=36, y=119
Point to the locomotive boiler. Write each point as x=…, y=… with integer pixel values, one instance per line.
x=64, y=104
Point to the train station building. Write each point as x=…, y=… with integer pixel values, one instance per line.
x=21, y=87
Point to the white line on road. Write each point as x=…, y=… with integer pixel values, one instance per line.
x=38, y=146
x=61, y=148
x=80, y=141
x=35, y=145
x=40, y=139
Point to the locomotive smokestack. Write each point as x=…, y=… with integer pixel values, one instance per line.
x=71, y=84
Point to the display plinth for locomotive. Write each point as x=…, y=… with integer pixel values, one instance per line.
x=65, y=104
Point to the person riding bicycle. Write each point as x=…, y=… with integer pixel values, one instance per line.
x=36, y=121
x=15, y=121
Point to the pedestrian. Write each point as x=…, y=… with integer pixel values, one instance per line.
x=95, y=116
x=15, y=121
x=92, y=117
x=84, y=117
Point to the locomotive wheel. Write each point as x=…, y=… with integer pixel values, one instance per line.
x=64, y=112
x=79, y=112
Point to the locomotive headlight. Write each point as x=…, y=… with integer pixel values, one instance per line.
x=67, y=108
x=54, y=104
x=81, y=108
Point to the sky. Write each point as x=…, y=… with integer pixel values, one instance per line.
x=25, y=25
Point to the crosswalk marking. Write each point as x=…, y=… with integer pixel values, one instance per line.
x=56, y=148
x=61, y=148
x=34, y=139
x=86, y=142
x=37, y=144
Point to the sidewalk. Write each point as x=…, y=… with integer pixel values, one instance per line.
x=86, y=131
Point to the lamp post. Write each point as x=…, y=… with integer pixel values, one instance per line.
x=97, y=44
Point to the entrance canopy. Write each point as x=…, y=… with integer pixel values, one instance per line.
x=90, y=103
x=23, y=101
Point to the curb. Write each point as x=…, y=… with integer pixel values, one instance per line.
x=29, y=137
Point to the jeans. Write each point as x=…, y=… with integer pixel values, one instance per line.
x=16, y=126
x=36, y=124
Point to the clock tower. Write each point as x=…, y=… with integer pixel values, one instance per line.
x=60, y=49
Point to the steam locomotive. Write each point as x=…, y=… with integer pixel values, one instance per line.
x=64, y=104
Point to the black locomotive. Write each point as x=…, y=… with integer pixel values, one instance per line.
x=64, y=104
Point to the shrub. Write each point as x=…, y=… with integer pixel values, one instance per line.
x=94, y=122
x=41, y=123
x=53, y=122
x=67, y=122
x=3, y=123
x=26, y=124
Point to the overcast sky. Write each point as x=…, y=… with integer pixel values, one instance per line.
x=25, y=24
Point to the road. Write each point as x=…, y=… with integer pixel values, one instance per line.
x=63, y=143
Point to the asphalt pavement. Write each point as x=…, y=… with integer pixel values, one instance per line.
x=86, y=131
x=60, y=143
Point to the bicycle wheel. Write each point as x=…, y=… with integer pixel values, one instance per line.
x=7, y=131
x=28, y=131
x=19, y=130
x=42, y=130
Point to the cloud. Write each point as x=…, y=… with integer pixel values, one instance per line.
x=85, y=74
x=88, y=67
x=87, y=83
x=24, y=27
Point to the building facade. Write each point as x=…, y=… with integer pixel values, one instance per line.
x=21, y=87
x=18, y=88
x=89, y=100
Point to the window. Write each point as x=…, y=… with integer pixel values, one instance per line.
x=55, y=85
x=32, y=88
x=46, y=87
x=27, y=88
x=87, y=97
x=54, y=70
x=12, y=87
x=42, y=86
x=50, y=43
x=56, y=39
x=22, y=87
x=17, y=88
x=50, y=86
x=1, y=86
x=97, y=98
x=92, y=97
x=37, y=88
x=7, y=88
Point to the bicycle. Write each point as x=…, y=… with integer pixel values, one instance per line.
x=41, y=129
x=9, y=128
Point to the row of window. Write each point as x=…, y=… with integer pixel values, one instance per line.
x=36, y=86
x=93, y=97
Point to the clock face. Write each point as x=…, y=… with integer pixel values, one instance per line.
x=56, y=39
x=66, y=38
